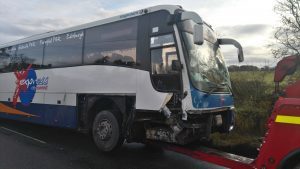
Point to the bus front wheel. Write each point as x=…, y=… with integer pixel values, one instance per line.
x=107, y=131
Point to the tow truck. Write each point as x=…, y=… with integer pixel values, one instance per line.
x=280, y=146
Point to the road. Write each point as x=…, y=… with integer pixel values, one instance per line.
x=28, y=146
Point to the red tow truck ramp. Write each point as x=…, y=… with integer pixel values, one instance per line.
x=280, y=148
x=214, y=156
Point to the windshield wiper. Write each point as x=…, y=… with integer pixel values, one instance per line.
x=215, y=87
x=227, y=84
x=219, y=86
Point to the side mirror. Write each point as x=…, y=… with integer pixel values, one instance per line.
x=176, y=65
x=198, y=34
x=234, y=43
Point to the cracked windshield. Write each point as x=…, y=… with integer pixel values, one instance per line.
x=206, y=65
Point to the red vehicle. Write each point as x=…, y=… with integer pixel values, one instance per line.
x=280, y=148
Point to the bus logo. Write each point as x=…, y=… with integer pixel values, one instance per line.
x=26, y=85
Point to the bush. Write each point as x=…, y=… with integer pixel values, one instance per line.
x=253, y=93
x=253, y=96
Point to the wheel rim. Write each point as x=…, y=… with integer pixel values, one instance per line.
x=104, y=130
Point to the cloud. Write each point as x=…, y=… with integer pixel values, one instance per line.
x=19, y=20
x=25, y=28
x=244, y=30
x=232, y=18
x=254, y=38
x=254, y=60
x=253, y=55
x=248, y=50
x=12, y=29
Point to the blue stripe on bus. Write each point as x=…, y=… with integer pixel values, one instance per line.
x=202, y=100
x=50, y=115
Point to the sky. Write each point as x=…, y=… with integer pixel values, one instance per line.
x=251, y=22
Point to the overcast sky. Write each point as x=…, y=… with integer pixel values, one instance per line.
x=251, y=22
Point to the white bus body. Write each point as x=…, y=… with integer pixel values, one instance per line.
x=136, y=76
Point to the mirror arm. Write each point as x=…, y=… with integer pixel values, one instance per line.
x=234, y=43
x=230, y=42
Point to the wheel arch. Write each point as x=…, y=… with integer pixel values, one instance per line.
x=90, y=105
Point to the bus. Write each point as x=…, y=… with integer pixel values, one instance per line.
x=152, y=74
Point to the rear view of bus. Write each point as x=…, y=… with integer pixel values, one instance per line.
x=153, y=74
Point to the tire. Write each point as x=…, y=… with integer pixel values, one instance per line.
x=107, y=133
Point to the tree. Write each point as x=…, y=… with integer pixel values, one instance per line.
x=287, y=35
x=248, y=68
x=233, y=68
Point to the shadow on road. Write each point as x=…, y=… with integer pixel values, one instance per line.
x=71, y=149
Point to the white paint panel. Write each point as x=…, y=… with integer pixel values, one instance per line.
x=70, y=99
x=7, y=82
x=90, y=79
x=65, y=83
x=38, y=98
x=5, y=96
x=64, y=98
x=53, y=98
x=147, y=97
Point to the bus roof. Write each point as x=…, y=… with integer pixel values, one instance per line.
x=170, y=8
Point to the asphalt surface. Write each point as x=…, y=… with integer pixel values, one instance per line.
x=28, y=146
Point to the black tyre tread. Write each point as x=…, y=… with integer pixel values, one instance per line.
x=110, y=114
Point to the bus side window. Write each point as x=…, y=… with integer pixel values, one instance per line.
x=64, y=50
x=112, y=44
x=4, y=61
x=30, y=53
x=162, y=60
x=163, y=52
x=14, y=61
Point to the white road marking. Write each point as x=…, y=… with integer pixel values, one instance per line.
x=35, y=139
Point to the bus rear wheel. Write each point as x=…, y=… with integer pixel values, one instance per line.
x=107, y=131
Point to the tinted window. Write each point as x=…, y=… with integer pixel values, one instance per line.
x=162, y=60
x=159, y=24
x=63, y=50
x=163, y=52
x=13, y=60
x=112, y=44
x=30, y=53
x=164, y=40
x=124, y=30
x=120, y=53
x=4, y=60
